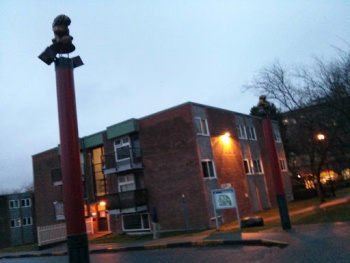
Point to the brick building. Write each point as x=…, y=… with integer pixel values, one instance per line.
x=17, y=225
x=165, y=163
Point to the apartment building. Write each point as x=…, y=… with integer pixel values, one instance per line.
x=17, y=219
x=164, y=164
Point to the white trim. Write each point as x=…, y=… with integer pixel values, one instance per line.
x=242, y=133
x=201, y=126
x=207, y=161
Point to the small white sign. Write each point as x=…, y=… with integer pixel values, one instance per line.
x=225, y=186
x=224, y=198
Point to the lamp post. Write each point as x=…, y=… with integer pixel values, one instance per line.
x=264, y=110
x=77, y=241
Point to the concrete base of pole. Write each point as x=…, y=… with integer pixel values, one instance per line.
x=283, y=209
x=78, y=248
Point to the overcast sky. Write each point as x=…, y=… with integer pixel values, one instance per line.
x=145, y=56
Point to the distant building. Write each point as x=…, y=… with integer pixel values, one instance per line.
x=162, y=163
x=17, y=224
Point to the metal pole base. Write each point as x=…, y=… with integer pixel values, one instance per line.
x=283, y=209
x=78, y=248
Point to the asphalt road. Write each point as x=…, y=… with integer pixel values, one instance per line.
x=335, y=251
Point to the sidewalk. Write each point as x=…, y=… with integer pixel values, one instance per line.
x=275, y=237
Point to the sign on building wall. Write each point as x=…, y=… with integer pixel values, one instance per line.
x=224, y=199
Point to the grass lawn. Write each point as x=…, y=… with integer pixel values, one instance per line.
x=336, y=213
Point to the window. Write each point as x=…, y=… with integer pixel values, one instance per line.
x=27, y=221
x=26, y=202
x=247, y=166
x=257, y=166
x=136, y=222
x=13, y=204
x=122, y=149
x=201, y=126
x=277, y=135
x=283, y=165
x=100, y=182
x=251, y=133
x=59, y=210
x=126, y=183
x=241, y=132
x=208, y=169
x=15, y=222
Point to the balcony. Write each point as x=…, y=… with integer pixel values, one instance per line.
x=126, y=202
x=129, y=159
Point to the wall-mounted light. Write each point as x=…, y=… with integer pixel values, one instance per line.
x=225, y=138
x=102, y=203
x=320, y=137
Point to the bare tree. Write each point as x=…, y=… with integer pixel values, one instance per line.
x=312, y=100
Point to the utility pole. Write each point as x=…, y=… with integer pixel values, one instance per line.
x=77, y=241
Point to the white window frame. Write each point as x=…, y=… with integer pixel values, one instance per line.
x=143, y=227
x=242, y=133
x=123, y=142
x=283, y=165
x=15, y=222
x=207, y=162
x=129, y=180
x=27, y=221
x=59, y=210
x=26, y=202
x=252, y=133
x=201, y=126
x=13, y=203
x=277, y=135
x=247, y=167
x=258, y=169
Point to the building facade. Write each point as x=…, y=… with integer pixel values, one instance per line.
x=17, y=225
x=165, y=166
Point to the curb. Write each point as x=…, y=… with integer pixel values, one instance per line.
x=204, y=243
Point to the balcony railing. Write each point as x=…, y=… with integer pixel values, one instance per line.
x=126, y=161
x=124, y=200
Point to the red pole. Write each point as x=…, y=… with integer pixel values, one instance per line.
x=276, y=172
x=77, y=241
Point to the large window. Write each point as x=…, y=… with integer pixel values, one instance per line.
x=242, y=134
x=59, y=210
x=122, y=149
x=247, y=166
x=208, y=169
x=251, y=133
x=126, y=183
x=283, y=165
x=26, y=202
x=100, y=182
x=277, y=135
x=201, y=126
x=14, y=204
x=27, y=221
x=257, y=166
x=136, y=222
x=15, y=222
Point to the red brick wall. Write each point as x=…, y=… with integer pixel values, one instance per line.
x=173, y=167
x=45, y=193
x=228, y=159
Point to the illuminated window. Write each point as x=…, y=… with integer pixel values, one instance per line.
x=201, y=126
x=242, y=134
x=100, y=182
x=251, y=133
x=208, y=169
